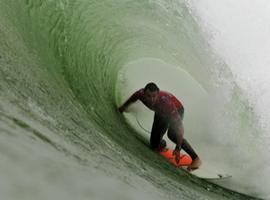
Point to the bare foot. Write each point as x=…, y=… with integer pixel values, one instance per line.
x=196, y=163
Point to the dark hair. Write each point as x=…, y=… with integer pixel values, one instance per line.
x=152, y=87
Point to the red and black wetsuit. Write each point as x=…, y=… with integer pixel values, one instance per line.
x=169, y=112
x=166, y=106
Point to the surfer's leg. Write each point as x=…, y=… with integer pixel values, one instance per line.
x=176, y=129
x=187, y=148
x=159, y=128
x=172, y=135
x=196, y=161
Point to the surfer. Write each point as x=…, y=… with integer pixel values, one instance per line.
x=169, y=113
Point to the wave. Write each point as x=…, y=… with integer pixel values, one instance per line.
x=61, y=69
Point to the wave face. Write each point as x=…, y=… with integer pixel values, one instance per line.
x=61, y=136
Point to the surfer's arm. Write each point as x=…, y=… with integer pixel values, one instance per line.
x=133, y=98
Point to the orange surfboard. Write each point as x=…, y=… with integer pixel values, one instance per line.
x=185, y=159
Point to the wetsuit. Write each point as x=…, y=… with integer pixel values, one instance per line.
x=169, y=113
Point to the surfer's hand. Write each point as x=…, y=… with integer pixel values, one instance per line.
x=176, y=153
x=121, y=109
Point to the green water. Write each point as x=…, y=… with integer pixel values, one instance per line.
x=60, y=134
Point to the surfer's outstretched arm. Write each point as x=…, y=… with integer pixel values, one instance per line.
x=133, y=98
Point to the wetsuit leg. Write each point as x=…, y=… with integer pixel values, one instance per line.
x=159, y=128
x=174, y=129
x=181, y=112
x=187, y=148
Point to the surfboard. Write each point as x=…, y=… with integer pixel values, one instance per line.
x=185, y=159
x=210, y=173
x=204, y=172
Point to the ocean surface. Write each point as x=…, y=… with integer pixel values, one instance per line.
x=65, y=66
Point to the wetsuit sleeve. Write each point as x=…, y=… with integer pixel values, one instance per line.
x=134, y=97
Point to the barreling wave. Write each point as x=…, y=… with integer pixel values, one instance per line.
x=62, y=135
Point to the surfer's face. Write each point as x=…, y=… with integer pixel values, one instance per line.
x=151, y=97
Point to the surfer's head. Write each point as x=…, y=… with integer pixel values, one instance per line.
x=151, y=91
